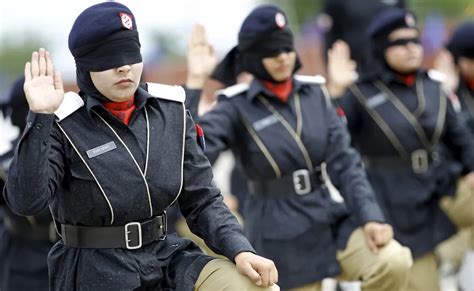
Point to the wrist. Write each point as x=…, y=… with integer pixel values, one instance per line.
x=195, y=82
x=336, y=90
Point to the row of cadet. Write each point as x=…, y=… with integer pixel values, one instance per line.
x=369, y=180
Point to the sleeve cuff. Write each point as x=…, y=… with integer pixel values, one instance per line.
x=39, y=125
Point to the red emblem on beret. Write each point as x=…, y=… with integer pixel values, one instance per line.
x=126, y=20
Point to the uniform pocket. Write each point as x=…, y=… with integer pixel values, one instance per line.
x=80, y=171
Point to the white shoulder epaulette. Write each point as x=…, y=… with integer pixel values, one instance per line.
x=232, y=91
x=168, y=92
x=316, y=79
x=437, y=75
x=71, y=102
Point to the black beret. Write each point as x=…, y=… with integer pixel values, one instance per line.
x=264, y=19
x=105, y=36
x=461, y=43
x=389, y=20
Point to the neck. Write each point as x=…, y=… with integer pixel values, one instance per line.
x=406, y=78
x=281, y=90
x=122, y=110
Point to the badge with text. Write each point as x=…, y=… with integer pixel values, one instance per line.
x=376, y=100
x=102, y=149
x=265, y=122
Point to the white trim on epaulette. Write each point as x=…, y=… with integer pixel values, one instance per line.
x=316, y=79
x=168, y=92
x=233, y=90
x=71, y=102
x=437, y=75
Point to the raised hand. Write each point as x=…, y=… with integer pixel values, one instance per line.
x=341, y=69
x=43, y=86
x=260, y=270
x=444, y=62
x=201, y=58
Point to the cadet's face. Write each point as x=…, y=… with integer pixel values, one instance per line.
x=404, y=58
x=281, y=66
x=466, y=66
x=118, y=84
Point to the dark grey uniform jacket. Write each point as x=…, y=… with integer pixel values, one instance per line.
x=410, y=199
x=48, y=170
x=299, y=232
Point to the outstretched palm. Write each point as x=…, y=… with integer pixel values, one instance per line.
x=202, y=58
x=43, y=86
x=341, y=69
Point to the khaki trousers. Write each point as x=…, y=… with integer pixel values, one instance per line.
x=460, y=209
x=220, y=274
x=385, y=271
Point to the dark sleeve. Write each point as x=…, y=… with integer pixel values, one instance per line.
x=459, y=139
x=37, y=168
x=351, y=109
x=219, y=128
x=202, y=204
x=346, y=171
x=193, y=97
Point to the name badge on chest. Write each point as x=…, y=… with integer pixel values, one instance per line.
x=265, y=122
x=376, y=100
x=102, y=149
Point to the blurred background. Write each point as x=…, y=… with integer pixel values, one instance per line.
x=165, y=25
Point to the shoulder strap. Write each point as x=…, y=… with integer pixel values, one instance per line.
x=316, y=79
x=392, y=137
x=168, y=92
x=234, y=90
x=71, y=102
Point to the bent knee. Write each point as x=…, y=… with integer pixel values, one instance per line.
x=395, y=259
x=221, y=274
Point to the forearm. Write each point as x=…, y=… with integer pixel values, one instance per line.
x=28, y=189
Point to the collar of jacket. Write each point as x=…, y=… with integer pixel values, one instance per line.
x=256, y=88
x=388, y=77
x=141, y=99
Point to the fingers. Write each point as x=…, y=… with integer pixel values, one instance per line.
x=371, y=243
x=34, y=64
x=198, y=36
x=58, y=81
x=28, y=72
x=253, y=275
x=49, y=65
x=41, y=65
x=42, y=62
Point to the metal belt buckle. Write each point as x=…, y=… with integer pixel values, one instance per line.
x=301, y=182
x=419, y=161
x=128, y=230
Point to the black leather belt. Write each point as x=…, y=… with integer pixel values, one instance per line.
x=132, y=235
x=22, y=228
x=300, y=182
x=420, y=161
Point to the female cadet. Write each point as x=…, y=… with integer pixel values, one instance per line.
x=404, y=125
x=282, y=129
x=109, y=163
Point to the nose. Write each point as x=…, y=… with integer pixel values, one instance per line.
x=124, y=69
x=282, y=56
